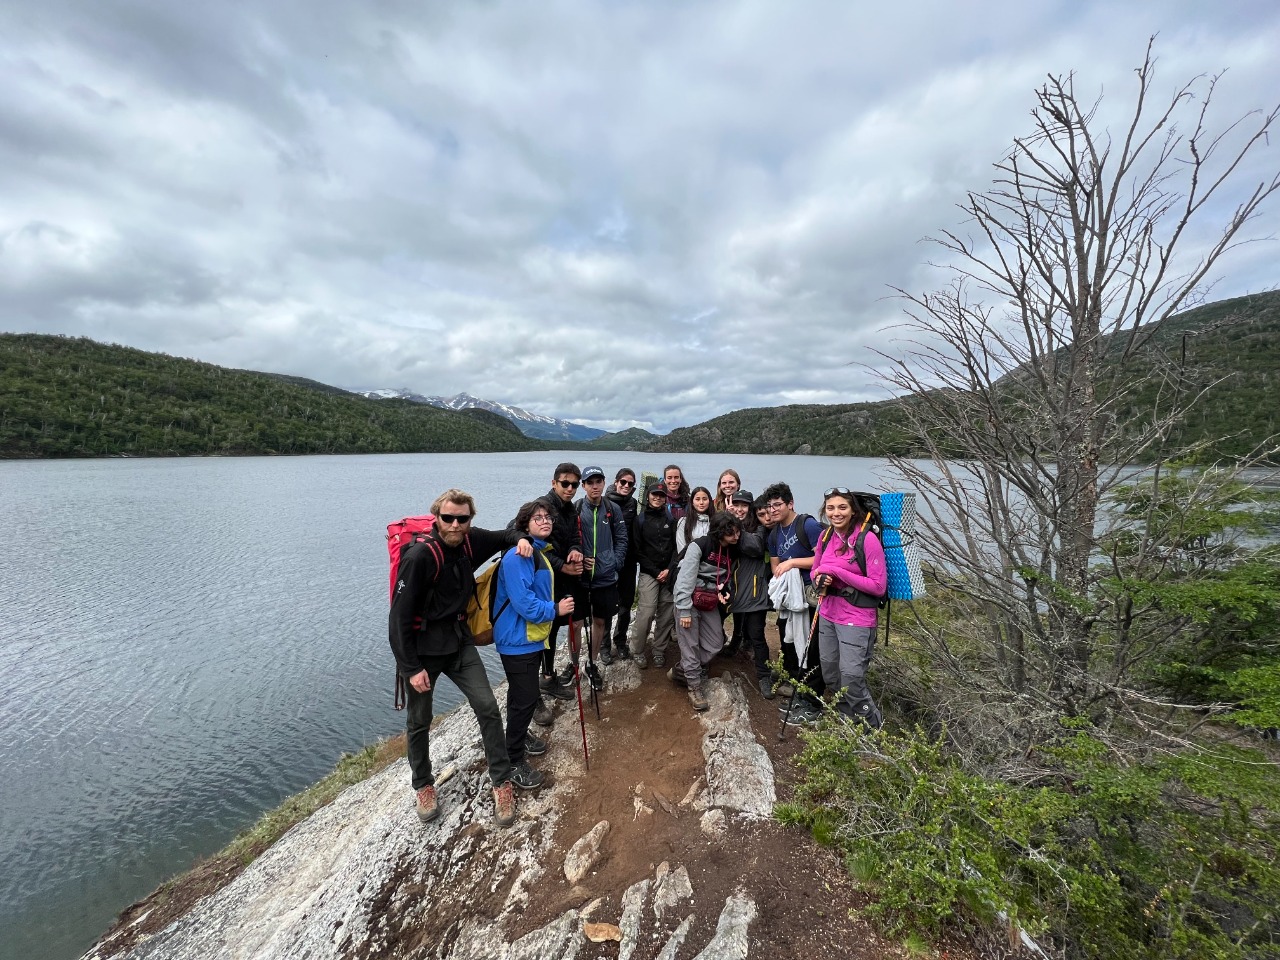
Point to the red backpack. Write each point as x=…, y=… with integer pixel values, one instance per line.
x=402, y=535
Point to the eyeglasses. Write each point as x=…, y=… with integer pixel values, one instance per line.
x=841, y=490
x=541, y=518
x=626, y=483
x=776, y=504
x=567, y=484
x=458, y=519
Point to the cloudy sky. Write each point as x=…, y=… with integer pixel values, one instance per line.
x=616, y=212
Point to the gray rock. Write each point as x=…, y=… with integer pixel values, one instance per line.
x=362, y=872
x=669, y=889
x=739, y=771
x=632, y=916
x=582, y=856
x=730, y=941
x=676, y=939
x=713, y=823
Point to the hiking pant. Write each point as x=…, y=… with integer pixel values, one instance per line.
x=656, y=603
x=846, y=653
x=699, y=643
x=522, y=698
x=791, y=663
x=467, y=673
x=748, y=631
x=626, y=600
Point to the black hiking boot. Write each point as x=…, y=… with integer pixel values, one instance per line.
x=525, y=777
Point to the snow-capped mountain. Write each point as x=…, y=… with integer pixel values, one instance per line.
x=530, y=424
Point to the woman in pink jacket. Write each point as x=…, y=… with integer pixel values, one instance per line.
x=849, y=570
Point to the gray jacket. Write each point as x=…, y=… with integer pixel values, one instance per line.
x=604, y=536
x=704, y=565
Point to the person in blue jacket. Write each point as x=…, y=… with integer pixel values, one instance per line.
x=524, y=611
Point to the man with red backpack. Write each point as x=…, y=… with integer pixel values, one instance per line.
x=429, y=636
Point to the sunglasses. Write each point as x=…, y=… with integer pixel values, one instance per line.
x=626, y=483
x=457, y=519
x=845, y=491
x=567, y=484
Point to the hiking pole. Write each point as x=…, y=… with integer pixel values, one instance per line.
x=595, y=694
x=582, y=723
x=795, y=687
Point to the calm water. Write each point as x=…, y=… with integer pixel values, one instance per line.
x=184, y=643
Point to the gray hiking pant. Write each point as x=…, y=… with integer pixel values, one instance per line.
x=655, y=602
x=466, y=670
x=845, y=653
x=699, y=643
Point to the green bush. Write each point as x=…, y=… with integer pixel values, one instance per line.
x=1174, y=857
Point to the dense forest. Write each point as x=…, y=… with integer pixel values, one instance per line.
x=65, y=397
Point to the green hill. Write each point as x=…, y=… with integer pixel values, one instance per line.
x=843, y=430
x=1232, y=353
x=1231, y=350
x=66, y=397
x=633, y=438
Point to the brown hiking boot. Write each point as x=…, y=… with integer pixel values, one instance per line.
x=504, y=804
x=697, y=699
x=428, y=807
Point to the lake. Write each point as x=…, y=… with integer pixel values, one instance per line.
x=184, y=643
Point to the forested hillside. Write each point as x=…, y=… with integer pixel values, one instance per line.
x=1232, y=353
x=65, y=397
x=845, y=430
x=1231, y=349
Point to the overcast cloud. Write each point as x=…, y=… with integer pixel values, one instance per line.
x=614, y=212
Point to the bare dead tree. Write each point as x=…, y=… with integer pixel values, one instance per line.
x=1020, y=373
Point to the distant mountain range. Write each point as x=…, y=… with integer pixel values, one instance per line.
x=533, y=425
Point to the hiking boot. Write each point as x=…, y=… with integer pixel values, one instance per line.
x=554, y=688
x=642, y=660
x=524, y=777
x=804, y=714
x=659, y=661
x=504, y=804
x=766, y=688
x=534, y=746
x=428, y=807
x=606, y=656
x=543, y=715
x=698, y=700
x=568, y=675
x=622, y=651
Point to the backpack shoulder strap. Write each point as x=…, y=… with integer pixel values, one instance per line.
x=493, y=588
x=801, y=534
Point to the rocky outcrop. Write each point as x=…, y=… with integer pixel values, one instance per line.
x=363, y=878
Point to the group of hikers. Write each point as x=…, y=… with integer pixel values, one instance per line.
x=685, y=559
